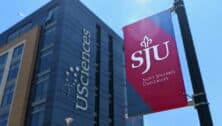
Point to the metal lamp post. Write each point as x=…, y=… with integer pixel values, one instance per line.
x=69, y=121
x=200, y=98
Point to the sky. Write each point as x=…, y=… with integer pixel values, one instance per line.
x=205, y=21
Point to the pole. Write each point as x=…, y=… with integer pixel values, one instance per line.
x=199, y=96
x=69, y=121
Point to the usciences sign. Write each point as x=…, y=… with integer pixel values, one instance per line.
x=82, y=90
x=154, y=76
x=77, y=78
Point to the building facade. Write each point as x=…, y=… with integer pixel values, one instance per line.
x=135, y=121
x=59, y=62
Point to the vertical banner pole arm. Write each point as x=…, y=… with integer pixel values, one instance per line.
x=197, y=82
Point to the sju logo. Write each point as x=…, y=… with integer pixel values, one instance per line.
x=138, y=59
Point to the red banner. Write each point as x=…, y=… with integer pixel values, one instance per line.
x=153, y=70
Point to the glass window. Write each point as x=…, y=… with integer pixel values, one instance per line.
x=8, y=95
x=51, y=15
x=37, y=116
x=50, y=28
x=49, y=37
x=41, y=90
x=97, y=80
x=37, y=119
x=17, y=52
x=44, y=63
x=13, y=72
x=1, y=76
x=4, y=120
x=14, y=67
x=3, y=60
